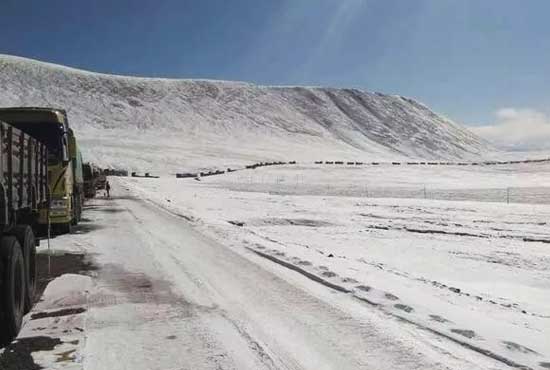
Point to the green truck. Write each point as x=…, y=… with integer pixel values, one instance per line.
x=23, y=195
x=91, y=179
x=66, y=183
x=78, y=178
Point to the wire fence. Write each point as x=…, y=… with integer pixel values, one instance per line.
x=297, y=186
x=533, y=195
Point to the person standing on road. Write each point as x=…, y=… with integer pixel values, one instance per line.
x=108, y=188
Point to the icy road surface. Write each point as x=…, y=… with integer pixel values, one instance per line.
x=160, y=295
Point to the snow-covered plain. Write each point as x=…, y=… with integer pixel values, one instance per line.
x=515, y=183
x=478, y=272
x=159, y=295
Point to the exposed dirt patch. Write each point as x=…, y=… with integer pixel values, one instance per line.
x=526, y=239
x=59, y=313
x=86, y=227
x=349, y=280
x=364, y=288
x=292, y=222
x=378, y=227
x=519, y=348
x=465, y=333
x=438, y=318
x=134, y=287
x=403, y=307
x=17, y=356
x=104, y=209
x=236, y=223
x=545, y=365
x=121, y=197
x=391, y=297
x=443, y=232
x=328, y=274
x=536, y=240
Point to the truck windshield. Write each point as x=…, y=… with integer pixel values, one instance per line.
x=49, y=134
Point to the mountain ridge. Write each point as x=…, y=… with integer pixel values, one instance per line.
x=197, y=121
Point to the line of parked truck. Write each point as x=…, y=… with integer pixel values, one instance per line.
x=43, y=184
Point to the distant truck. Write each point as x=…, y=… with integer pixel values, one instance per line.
x=90, y=180
x=23, y=194
x=92, y=176
x=66, y=183
x=101, y=180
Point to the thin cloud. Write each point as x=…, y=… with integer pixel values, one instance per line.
x=518, y=129
x=345, y=12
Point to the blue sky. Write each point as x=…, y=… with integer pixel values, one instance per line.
x=467, y=59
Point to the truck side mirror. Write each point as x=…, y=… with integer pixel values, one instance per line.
x=66, y=154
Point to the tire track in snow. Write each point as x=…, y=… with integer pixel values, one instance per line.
x=344, y=290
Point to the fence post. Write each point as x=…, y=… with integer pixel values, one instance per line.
x=424, y=191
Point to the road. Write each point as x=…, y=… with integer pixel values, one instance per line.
x=163, y=296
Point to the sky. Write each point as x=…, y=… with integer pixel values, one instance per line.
x=470, y=60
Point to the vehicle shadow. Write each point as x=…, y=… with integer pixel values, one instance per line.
x=18, y=355
x=98, y=208
x=103, y=198
x=53, y=266
x=85, y=226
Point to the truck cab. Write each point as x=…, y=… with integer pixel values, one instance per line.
x=51, y=127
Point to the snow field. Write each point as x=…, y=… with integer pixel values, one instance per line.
x=476, y=272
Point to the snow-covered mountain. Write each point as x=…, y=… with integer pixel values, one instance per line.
x=166, y=125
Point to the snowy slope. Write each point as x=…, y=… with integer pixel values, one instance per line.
x=472, y=271
x=166, y=125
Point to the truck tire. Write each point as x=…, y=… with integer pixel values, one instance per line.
x=12, y=297
x=26, y=240
x=74, y=211
x=79, y=208
x=66, y=228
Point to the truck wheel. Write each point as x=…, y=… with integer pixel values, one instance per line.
x=12, y=298
x=80, y=205
x=65, y=228
x=25, y=237
x=74, y=211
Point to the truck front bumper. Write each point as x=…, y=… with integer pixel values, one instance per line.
x=57, y=216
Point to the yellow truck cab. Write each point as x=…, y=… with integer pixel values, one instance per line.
x=51, y=127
